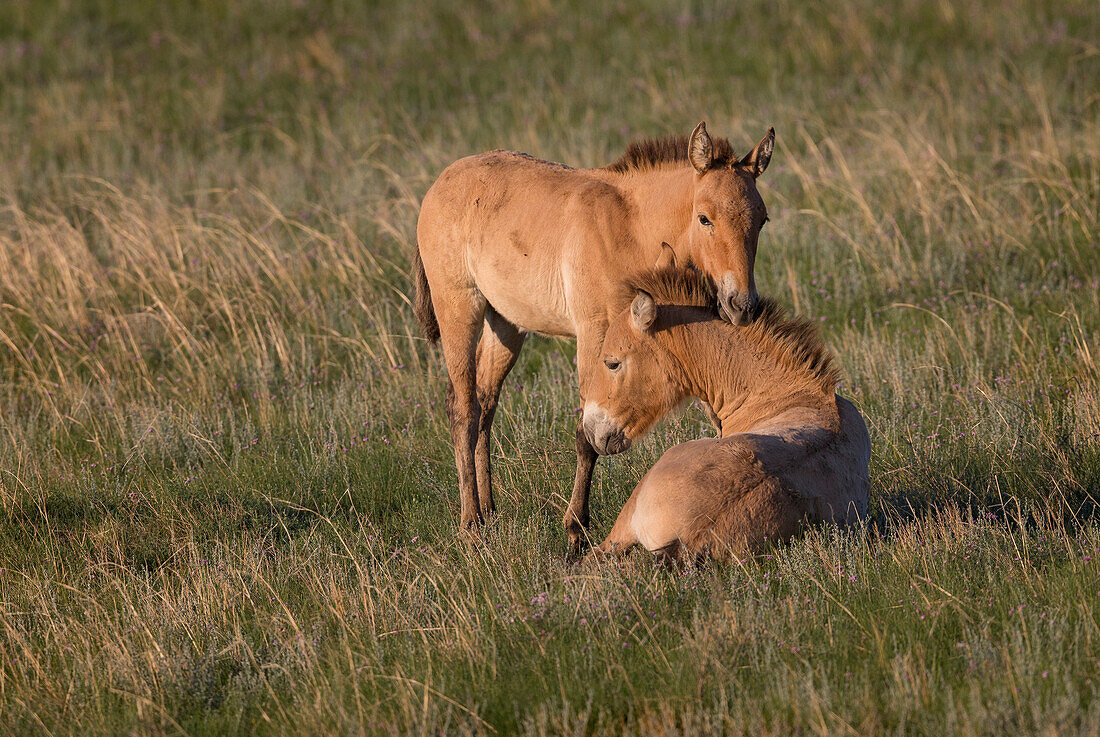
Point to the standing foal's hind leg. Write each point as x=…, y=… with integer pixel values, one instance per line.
x=496, y=355
x=459, y=327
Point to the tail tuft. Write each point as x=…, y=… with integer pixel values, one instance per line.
x=425, y=313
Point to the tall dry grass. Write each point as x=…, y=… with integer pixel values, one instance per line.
x=226, y=488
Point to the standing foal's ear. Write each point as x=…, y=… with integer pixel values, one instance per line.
x=700, y=148
x=757, y=159
x=643, y=312
x=667, y=259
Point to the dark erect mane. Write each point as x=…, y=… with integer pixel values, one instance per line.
x=674, y=286
x=650, y=153
x=792, y=341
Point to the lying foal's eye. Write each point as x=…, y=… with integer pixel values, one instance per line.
x=612, y=364
x=704, y=220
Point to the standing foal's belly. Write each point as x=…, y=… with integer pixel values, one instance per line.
x=526, y=290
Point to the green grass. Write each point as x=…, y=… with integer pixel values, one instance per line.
x=227, y=494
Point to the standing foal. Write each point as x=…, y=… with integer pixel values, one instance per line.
x=508, y=244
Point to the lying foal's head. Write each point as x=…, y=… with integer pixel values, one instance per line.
x=647, y=357
x=637, y=381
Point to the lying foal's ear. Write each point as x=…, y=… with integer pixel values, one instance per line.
x=667, y=259
x=757, y=160
x=643, y=312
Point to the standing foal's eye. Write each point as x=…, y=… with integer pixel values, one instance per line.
x=612, y=364
x=704, y=220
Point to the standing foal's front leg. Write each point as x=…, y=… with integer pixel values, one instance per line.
x=589, y=342
x=576, y=514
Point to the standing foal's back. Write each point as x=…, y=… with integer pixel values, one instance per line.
x=791, y=449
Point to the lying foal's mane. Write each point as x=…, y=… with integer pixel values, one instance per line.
x=792, y=341
x=670, y=285
x=650, y=153
x=795, y=342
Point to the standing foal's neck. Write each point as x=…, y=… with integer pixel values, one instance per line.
x=662, y=199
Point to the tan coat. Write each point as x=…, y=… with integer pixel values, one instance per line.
x=791, y=450
x=509, y=244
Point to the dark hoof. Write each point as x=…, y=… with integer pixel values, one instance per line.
x=471, y=525
x=578, y=539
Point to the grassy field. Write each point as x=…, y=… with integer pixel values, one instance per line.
x=227, y=495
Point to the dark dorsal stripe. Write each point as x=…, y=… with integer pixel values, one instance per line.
x=652, y=152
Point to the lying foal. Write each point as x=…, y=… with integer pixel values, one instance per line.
x=790, y=449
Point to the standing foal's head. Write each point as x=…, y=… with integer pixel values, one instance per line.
x=727, y=216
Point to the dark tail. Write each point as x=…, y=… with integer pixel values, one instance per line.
x=425, y=313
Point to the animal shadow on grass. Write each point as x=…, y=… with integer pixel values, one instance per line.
x=913, y=506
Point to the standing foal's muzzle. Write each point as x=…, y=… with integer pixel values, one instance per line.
x=736, y=307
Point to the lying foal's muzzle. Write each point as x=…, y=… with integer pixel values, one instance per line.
x=602, y=432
